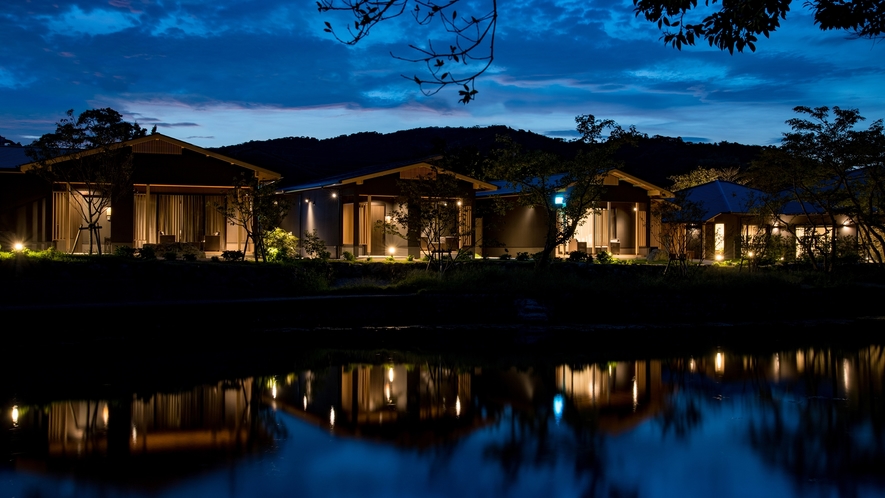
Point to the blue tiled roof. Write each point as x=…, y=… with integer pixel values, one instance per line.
x=718, y=197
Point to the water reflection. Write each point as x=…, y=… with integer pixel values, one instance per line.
x=790, y=423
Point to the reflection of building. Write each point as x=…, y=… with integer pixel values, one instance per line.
x=621, y=394
x=403, y=401
x=205, y=418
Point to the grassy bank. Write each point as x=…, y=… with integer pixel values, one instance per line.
x=472, y=292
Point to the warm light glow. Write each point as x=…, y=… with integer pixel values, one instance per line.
x=387, y=392
x=107, y=213
x=390, y=374
x=334, y=195
x=273, y=390
x=692, y=365
x=845, y=369
x=15, y=414
x=332, y=417
x=750, y=254
x=305, y=403
x=720, y=363
x=459, y=203
x=635, y=395
x=104, y=414
x=134, y=434
x=457, y=406
x=18, y=246
x=392, y=251
x=719, y=257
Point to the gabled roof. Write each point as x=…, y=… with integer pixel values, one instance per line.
x=612, y=178
x=159, y=138
x=359, y=176
x=720, y=197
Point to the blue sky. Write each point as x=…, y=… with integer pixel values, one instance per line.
x=227, y=72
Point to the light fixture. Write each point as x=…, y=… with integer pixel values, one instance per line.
x=18, y=247
x=719, y=257
x=559, y=200
x=391, y=250
x=459, y=203
x=334, y=195
x=107, y=212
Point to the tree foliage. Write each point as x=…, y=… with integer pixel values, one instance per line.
x=701, y=175
x=84, y=155
x=828, y=170
x=564, y=190
x=737, y=25
x=681, y=234
x=733, y=25
x=254, y=206
x=472, y=38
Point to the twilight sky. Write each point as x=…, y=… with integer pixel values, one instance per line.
x=230, y=71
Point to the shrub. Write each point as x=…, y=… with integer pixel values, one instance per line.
x=215, y=259
x=124, y=252
x=280, y=245
x=605, y=258
x=410, y=258
x=504, y=256
x=170, y=255
x=578, y=256
x=348, y=256
x=189, y=256
x=314, y=246
x=522, y=256
x=232, y=255
x=147, y=252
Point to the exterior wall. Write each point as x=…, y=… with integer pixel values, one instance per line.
x=619, y=225
x=519, y=229
x=346, y=217
x=25, y=211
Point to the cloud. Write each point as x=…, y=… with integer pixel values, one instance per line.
x=176, y=125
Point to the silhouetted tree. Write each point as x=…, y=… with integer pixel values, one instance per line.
x=564, y=190
x=85, y=155
x=731, y=26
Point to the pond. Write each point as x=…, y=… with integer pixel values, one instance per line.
x=802, y=422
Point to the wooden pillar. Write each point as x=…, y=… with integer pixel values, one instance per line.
x=356, y=225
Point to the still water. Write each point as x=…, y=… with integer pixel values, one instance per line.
x=807, y=422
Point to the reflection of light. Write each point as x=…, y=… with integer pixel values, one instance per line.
x=720, y=363
x=332, y=417
x=387, y=392
x=692, y=365
x=558, y=407
x=845, y=366
x=800, y=361
x=635, y=395
x=273, y=390
x=104, y=414
x=457, y=406
x=777, y=366
x=134, y=434
x=390, y=374
x=305, y=403
x=15, y=414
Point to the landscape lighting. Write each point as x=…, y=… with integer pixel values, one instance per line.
x=18, y=247
x=15, y=414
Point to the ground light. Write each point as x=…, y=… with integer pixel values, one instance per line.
x=18, y=247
